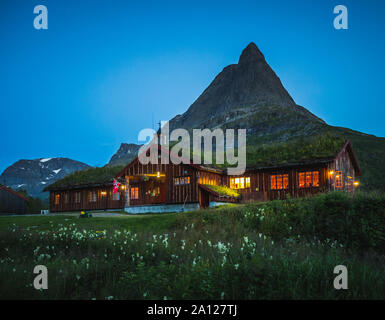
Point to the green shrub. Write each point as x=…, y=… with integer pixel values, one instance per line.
x=357, y=221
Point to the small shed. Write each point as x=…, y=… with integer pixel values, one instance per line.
x=12, y=202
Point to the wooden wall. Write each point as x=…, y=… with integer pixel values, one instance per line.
x=260, y=189
x=103, y=202
x=294, y=190
x=173, y=193
x=11, y=203
x=181, y=193
x=144, y=186
x=343, y=163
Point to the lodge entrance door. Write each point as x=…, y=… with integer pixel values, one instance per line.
x=154, y=192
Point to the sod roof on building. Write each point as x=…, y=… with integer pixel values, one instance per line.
x=298, y=151
x=83, y=178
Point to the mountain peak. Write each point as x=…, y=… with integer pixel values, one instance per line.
x=251, y=54
x=34, y=175
x=126, y=153
x=248, y=95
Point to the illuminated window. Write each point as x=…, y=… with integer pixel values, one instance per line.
x=181, y=181
x=208, y=180
x=339, y=180
x=301, y=180
x=92, y=196
x=240, y=183
x=247, y=182
x=285, y=178
x=57, y=199
x=185, y=180
x=308, y=179
x=279, y=181
x=315, y=178
x=134, y=193
x=77, y=197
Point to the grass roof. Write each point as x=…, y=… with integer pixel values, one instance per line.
x=91, y=176
x=223, y=191
x=294, y=151
x=301, y=150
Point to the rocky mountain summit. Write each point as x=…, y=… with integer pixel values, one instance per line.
x=34, y=175
x=126, y=153
x=248, y=95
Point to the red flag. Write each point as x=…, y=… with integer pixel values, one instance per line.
x=116, y=186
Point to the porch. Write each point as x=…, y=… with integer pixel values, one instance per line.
x=145, y=190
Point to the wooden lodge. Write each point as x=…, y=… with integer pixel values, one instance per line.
x=164, y=187
x=299, y=179
x=86, y=197
x=90, y=189
x=170, y=187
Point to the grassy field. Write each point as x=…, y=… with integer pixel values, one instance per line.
x=151, y=222
x=277, y=250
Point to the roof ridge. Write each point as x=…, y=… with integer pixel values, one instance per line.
x=14, y=192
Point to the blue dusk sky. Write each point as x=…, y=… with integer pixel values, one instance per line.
x=104, y=70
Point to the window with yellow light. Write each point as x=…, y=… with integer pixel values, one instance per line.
x=57, y=199
x=308, y=179
x=279, y=181
x=240, y=183
x=339, y=180
x=134, y=193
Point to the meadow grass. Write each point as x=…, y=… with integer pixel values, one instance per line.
x=255, y=251
x=140, y=222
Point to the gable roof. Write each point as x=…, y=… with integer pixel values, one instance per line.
x=171, y=154
x=13, y=192
x=348, y=148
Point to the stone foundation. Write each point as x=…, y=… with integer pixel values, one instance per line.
x=162, y=208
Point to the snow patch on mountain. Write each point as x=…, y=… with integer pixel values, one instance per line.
x=34, y=175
